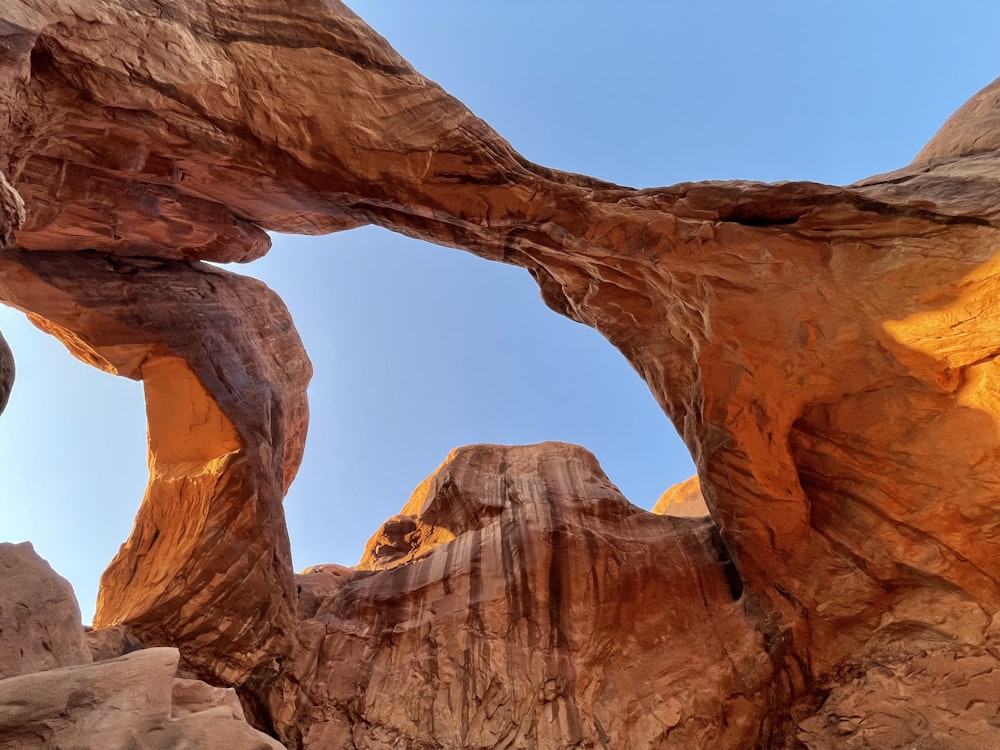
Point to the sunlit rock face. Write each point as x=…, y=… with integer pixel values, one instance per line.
x=683, y=499
x=225, y=384
x=827, y=353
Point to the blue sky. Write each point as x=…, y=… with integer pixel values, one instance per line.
x=420, y=349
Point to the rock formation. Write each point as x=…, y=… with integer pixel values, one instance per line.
x=683, y=499
x=51, y=695
x=6, y=372
x=514, y=602
x=224, y=377
x=11, y=218
x=129, y=702
x=39, y=616
x=827, y=354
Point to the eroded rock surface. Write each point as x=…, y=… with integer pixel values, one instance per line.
x=129, y=702
x=111, y=642
x=11, y=218
x=39, y=615
x=53, y=696
x=515, y=602
x=225, y=383
x=915, y=690
x=827, y=353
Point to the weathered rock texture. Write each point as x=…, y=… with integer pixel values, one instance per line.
x=129, y=702
x=515, y=602
x=11, y=218
x=6, y=372
x=111, y=642
x=827, y=353
x=225, y=378
x=914, y=691
x=52, y=696
x=39, y=615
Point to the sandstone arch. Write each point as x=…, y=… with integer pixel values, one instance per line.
x=848, y=454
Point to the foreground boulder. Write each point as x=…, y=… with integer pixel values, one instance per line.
x=39, y=615
x=52, y=696
x=125, y=703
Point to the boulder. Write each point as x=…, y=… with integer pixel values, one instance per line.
x=111, y=642
x=121, y=704
x=40, y=626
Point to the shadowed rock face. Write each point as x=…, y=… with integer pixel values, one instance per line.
x=11, y=218
x=39, y=616
x=827, y=353
x=51, y=695
x=516, y=602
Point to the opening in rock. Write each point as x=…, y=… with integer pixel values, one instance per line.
x=419, y=349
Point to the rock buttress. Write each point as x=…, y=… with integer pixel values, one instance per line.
x=224, y=373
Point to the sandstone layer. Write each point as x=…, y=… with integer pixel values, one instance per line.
x=827, y=353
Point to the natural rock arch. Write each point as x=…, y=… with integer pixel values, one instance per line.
x=848, y=454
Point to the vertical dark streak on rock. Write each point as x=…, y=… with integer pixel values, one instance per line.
x=433, y=674
x=592, y=554
x=559, y=608
x=476, y=654
x=557, y=637
x=513, y=591
x=556, y=534
x=511, y=582
x=522, y=518
x=449, y=566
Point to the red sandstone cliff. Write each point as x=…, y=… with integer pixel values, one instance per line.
x=520, y=601
x=845, y=432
